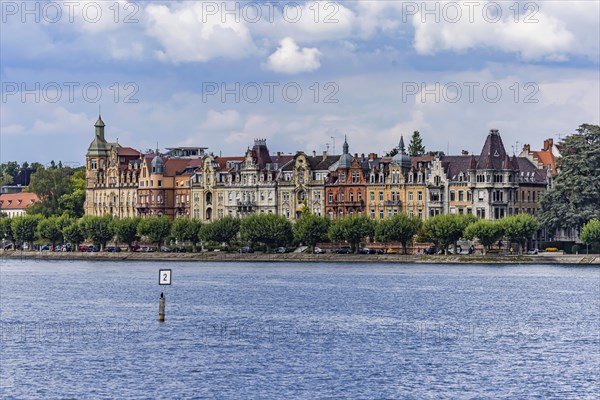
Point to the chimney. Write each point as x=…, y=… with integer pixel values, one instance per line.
x=362, y=156
x=278, y=154
x=527, y=148
x=465, y=153
x=372, y=156
x=548, y=144
x=355, y=155
x=324, y=155
x=314, y=153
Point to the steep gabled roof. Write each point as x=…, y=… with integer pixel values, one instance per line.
x=493, y=155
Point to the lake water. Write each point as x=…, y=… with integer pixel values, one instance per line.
x=273, y=330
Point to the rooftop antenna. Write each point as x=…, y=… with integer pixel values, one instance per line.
x=333, y=138
x=99, y=110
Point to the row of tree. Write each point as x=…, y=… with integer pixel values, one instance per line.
x=273, y=230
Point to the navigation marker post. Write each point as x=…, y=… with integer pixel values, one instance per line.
x=164, y=278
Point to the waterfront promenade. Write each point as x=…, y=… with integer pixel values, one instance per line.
x=542, y=258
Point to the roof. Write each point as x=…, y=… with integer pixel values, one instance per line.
x=128, y=152
x=493, y=154
x=174, y=165
x=454, y=165
x=222, y=161
x=17, y=201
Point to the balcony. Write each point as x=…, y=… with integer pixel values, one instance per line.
x=393, y=203
x=247, y=203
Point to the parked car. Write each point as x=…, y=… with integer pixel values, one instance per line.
x=179, y=249
x=9, y=246
x=319, y=250
x=344, y=250
x=165, y=249
x=135, y=247
x=92, y=248
x=391, y=250
x=246, y=249
x=367, y=250
x=45, y=247
x=533, y=251
x=146, y=249
x=113, y=249
x=281, y=250
x=431, y=250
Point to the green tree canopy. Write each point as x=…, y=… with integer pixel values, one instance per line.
x=223, y=230
x=73, y=234
x=352, y=229
x=6, y=231
x=310, y=229
x=49, y=229
x=50, y=184
x=575, y=195
x=125, y=230
x=24, y=228
x=186, y=230
x=398, y=228
x=520, y=228
x=156, y=229
x=415, y=147
x=447, y=229
x=590, y=233
x=271, y=229
x=97, y=229
x=486, y=231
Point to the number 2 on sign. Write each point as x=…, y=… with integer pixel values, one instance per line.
x=164, y=277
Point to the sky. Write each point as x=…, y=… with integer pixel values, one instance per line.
x=302, y=75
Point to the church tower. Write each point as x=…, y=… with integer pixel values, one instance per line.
x=96, y=161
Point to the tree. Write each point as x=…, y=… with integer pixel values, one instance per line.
x=5, y=179
x=399, y=228
x=97, y=229
x=125, y=230
x=271, y=229
x=520, y=228
x=575, y=194
x=447, y=229
x=49, y=184
x=73, y=234
x=156, y=229
x=415, y=147
x=590, y=233
x=24, y=228
x=310, y=229
x=352, y=229
x=6, y=231
x=223, y=230
x=487, y=232
x=48, y=229
x=186, y=230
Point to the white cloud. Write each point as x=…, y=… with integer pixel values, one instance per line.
x=290, y=59
x=187, y=35
x=547, y=38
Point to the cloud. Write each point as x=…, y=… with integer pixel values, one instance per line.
x=186, y=34
x=543, y=37
x=290, y=59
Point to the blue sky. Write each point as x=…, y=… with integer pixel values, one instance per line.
x=382, y=69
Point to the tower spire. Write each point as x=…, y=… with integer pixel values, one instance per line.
x=401, y=145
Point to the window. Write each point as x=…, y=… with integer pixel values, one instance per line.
x=481, y=195
x=410, y=196
x=420, y=196
x=380, y=196
x=159, y=183
x=94, y=164
x=452, y=195
x=372, y=196
x=380, y=214
x=461, y=195
x=330, y=197
x=469, y=196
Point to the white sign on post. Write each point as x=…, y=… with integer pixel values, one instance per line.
x=164, y=276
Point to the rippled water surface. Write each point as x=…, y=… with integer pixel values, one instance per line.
x=89, y=330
